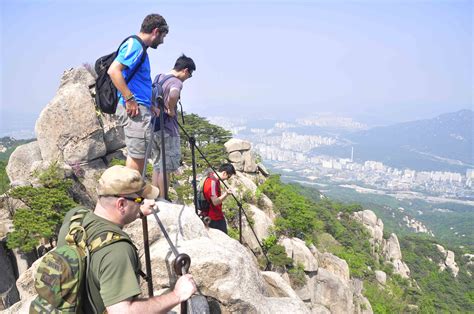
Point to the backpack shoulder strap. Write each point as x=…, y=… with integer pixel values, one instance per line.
x=107, y=238
x=76, y=233
x=165, y=78
x=142, y=59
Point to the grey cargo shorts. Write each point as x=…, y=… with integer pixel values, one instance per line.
x=137, y=130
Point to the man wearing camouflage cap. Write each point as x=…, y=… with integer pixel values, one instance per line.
x=113, y=280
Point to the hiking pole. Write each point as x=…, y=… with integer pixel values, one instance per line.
x=182, y=261
x=146, y=242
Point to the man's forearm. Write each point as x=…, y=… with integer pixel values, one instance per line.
x=158, y=304
x=119, y=82
x=172, y=104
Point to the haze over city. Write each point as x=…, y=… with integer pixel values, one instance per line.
x=379, y=62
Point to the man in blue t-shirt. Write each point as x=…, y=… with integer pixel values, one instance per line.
x=135, y=108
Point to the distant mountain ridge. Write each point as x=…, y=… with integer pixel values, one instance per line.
x=442, y=143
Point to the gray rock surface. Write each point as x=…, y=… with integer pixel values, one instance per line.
x=332, y=292
x=393, y=254
x=300, y=253
x=372, y=223
x=261, y=226
x=8, y=291
x=381, y=277
x=67, y=128
x=222, y=268
x=449, y=260
x=21, y=160
x=235, y=144
x=335, y=265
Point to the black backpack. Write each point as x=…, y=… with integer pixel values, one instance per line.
x=157, y=98
x=106, y=97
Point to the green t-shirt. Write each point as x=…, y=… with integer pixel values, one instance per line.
x=114, y=268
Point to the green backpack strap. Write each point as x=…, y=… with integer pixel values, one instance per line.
x=77, y=235
x=107, y=238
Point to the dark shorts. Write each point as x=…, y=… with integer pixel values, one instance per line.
x=219, y=224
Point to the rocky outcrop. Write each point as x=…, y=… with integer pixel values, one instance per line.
x=278, y=285
x=245, y=183
x=381, y=277
x=20, y=163
x=241, y=156
x=372, y=223
x=261, y=226
x=417, y=226
x=300, y=253
x=8, y=291
x=390, y=248
x=361, y=303
x=335, y=265
x=222, y=268
x=331, y=292
x=449, y=260
x=68, y=128
x=393, y=255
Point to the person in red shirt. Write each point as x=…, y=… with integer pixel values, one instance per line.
x=212, y=193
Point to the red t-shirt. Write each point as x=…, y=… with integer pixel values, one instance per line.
x=212, y=187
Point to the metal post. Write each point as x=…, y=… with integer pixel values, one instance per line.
x=240, y=224
x=146, y=245
x=163, y=156
x=146, y=242
x=192, y=142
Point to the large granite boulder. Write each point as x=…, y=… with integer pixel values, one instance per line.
x=278, y=286
x=21, y=161
x=372, y=223
x=335, y=265
x=393, y=254
x=331, y=292
x=241, y=156
x=381, y=277
x=68, y=128
x=261, y=226
x=113, y=133
x=449, y=260
x=300, y=253
x=361, y=303
x=223, y=269
x=235, y=144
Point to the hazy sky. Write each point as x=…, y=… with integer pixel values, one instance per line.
x=382, y=61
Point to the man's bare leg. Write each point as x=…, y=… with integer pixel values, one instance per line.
x=135, y=163
x=157, y=180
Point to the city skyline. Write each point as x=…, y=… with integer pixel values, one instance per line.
x=375, y=61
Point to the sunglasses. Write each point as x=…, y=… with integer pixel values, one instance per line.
x=138, y=200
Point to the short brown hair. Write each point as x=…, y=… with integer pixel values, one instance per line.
x=153, y=21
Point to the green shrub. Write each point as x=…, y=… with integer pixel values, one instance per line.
x=297, y=276
x=47, y=206
x=269, y=242
x=43, y=218
x=277, y=256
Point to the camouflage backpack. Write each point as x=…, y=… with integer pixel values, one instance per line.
x=202, y=203
x=60, y=278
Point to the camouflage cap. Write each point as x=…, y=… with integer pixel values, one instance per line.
x=120, y=180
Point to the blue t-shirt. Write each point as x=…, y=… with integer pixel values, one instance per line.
x=130, y=54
